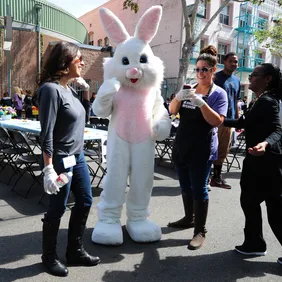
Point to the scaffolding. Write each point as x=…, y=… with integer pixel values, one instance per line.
x=247, y=47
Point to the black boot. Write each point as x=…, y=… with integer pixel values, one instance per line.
x=49, y=242
x=76, y=255
x=188, y=220
x=201, y=212
x=254, y=244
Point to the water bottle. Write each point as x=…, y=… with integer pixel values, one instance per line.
x=63, y=179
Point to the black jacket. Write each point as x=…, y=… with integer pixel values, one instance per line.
x=261, y=123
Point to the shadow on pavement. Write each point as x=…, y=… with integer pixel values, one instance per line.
x=225, y=266
x=222, y=266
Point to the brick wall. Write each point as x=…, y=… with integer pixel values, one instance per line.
x=24, y=62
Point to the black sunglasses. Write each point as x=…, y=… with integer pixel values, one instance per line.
x=202, y=70
x=254, y=74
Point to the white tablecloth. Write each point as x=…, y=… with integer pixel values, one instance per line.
x=33, y=126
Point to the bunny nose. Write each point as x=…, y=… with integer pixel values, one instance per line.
x=133, y=71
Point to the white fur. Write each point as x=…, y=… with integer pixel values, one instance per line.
x=128, y=156
x=152, y=73
x=105, y=232
x=143, y=231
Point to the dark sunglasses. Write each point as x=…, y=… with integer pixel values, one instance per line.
x=79, y=60
x=254, y=74
x=202, y=69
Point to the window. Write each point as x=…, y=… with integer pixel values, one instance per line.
x=262, y=23
x=202, y=10
x=245, y=58
x=245, y=18
x=91, y=38
x=90, y=25
x=106, y=41
x=99, y=43
x=259, y=59
x=224, y=15
x=222, y=51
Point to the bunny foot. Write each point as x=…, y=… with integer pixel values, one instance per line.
x=143, y=231
x=107, y=233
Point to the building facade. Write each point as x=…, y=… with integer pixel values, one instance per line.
x=232, y=30
x=27, y=29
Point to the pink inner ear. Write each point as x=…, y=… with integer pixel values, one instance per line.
x=148, y=24
x=113, y=27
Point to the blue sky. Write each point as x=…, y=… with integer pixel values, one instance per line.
x=78, y=7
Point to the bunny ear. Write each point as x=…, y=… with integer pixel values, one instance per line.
x=148, y=24
x=113, y=27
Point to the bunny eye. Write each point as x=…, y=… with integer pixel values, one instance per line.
x=143, y=59
x=125, y=61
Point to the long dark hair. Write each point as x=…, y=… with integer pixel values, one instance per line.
x=58, y=61
x=275, y=85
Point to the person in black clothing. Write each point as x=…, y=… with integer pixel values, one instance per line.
x=92, y=99
x=261, y=178
x=6, y=101
x=28, y=104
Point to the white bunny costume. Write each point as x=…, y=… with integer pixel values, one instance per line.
x=131, y=95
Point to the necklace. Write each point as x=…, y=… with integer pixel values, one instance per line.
x=264, y=92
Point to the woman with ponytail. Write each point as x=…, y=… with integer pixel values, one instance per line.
x=202, y=109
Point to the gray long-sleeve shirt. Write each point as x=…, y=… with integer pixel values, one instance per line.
x=62, y=119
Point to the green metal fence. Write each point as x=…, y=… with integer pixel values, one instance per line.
x=52, y=17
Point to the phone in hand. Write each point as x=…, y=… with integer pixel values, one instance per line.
x=187, y=86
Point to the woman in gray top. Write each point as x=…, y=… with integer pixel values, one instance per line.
x=62, y=119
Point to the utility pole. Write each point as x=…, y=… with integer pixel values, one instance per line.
x=38, y=8
x=8, y=38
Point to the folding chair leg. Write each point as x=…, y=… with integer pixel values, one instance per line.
x=100, y=180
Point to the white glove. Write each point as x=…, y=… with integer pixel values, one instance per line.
x=197, y=100
x=184, y=94
x=82, y=83
x=49, y=180
x=107, y=90
x=161, y=130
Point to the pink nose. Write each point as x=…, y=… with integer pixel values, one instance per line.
x=133, y=71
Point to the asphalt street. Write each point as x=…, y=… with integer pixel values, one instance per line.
x=166, y=260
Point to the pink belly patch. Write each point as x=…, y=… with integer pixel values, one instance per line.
x=133, y=112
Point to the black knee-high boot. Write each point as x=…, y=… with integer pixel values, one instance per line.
x=76, y=255
x=49, y=242
x=201, y=212
x=188, y=220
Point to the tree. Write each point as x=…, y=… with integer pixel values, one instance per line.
x=271, y=37
x=189, y=26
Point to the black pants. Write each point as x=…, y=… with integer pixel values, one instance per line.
x=261, y=182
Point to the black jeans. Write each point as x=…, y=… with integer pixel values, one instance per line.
x=261, y=182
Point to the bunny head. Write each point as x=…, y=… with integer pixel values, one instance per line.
x=133, y=63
